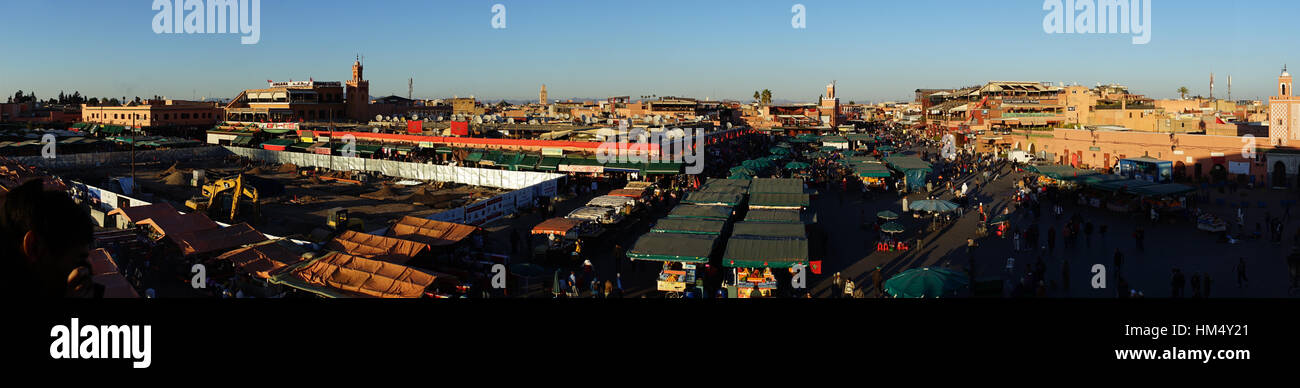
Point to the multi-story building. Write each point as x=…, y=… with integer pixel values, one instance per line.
x=154, y=113
x=309, y=100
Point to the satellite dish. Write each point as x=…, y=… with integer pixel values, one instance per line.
x=415, y=117
x=379, y=117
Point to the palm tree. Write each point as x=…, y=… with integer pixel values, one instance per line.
x=1182, y=91
x=757, y=96
x=767, y=97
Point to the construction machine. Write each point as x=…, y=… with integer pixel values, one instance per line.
x=236, y=188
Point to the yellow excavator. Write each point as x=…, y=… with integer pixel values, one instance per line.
x=235, y=187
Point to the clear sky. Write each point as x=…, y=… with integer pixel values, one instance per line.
x=876, y=49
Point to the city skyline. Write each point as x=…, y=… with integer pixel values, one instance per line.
x=735, y=50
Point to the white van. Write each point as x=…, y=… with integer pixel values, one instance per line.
x=1019, y=156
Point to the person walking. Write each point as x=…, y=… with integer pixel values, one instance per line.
x=837, y=284
x=1051, y=240
x=1065, y=276
x=1177, y=282
x=1196, y=285
x=1242, y=280
x=878, y=282
x=1119, y=261
x=1087, y=234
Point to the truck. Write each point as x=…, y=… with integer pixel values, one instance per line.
x=1020, y=156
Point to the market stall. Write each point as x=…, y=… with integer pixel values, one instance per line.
x=680, y=255
x=689, y=226
x=752, y=261
x=701, y=211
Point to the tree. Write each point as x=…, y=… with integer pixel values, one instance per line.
x=1182, y=91
x=18, y=97
x=766, y=97
x=757, y=96
x=93, y=101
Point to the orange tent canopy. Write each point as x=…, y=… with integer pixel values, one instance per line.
x=181, y=223
x=262, y=259
x=158, y=211
x=362, y=277
x=394, y=250
x=557, y=226
x=212, y=240
x=105, y=273
x=431, y=232
x=632, y=193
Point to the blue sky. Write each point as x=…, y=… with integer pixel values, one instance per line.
x=876, y=50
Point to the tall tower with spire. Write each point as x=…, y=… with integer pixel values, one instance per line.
x=357, y=93
x=1284, y=112
x=829, y=107
x=541, y=96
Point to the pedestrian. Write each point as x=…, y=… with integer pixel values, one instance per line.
x=1016, y=239
x=1177, y=283
x=848, y=288
x=837, y=283
x=877, y=281
x=1242, y=281
x=1087, y=234
x=1119, y=261
x=1051, y=240
x=1065, y=276
x=1196, y=285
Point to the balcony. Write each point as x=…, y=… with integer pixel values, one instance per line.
x=1010, y=115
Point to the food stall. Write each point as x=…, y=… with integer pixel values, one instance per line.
x=1211, y=223
x=774, y=215
x=599, y=215
x=561, y=234
x=778, y=201
x=753, y=259
x=623, y=205
x=701, y=211
x=689, y=226
x=681, y=255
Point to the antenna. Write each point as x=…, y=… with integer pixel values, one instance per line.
x=410, y=87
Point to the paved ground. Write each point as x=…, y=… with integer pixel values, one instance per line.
x=850, y=246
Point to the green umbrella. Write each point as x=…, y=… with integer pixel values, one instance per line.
x=887, y=215
x=783, y=145
x=776, y=157
x=932, y=205
x=925, y=283
x=741, y=176
x=891, y=227
x=743, y=170
x=779, y=150
x=797, y=165
x=758, y=164
x=555, y=284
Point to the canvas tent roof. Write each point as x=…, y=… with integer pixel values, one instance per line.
x=393, y=250
x=212, y=240
x=557, y=226
x=776, y=185
x=903, y=163
x=263, y=259
x=749, y=252
x=630, y=193
x=613, y=201
x=159, y=210
x=689, y=226
x=773, y=215
x=776, y=230
x=778, y=200
x=590, y=213
x=104, y=272
x=181, y=223
x=432, y=232
x=339, y=275
x=674, y=247
x=729, y=199
x=700, y=211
